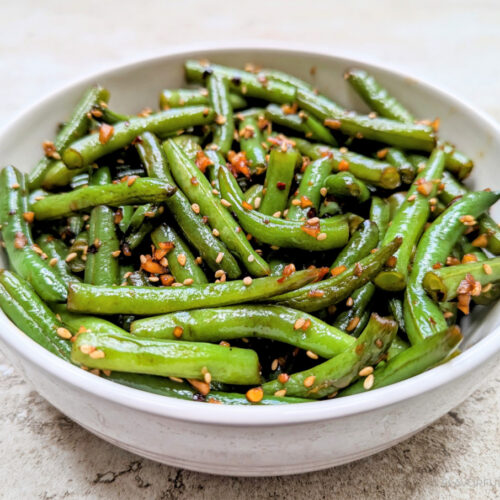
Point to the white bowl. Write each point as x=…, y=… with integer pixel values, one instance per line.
x=257, y=441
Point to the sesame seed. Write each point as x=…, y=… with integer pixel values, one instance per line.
x=153, y=279
x=97, y=354
x=207, y=377
x=143, y=259
x=176, y=379
x=71, y=256
x=87, y=349
x=313, y=220
x=487, y=268
x=219, y=273
x=323, y=191
x=321, y=236
x=198, y=260
x=64, y=333
x=225, y=202
x=295, y=202
x=116, y=253
x=280, y=393
x=487, y=288
x=251, y=258
x=364, y=372
x=413, y=197
x=311, y=355
x=53, y=261
x=215, y=232
x=368, y=382
x=219, y=257
x=349, y=302
x=178, y=330
x=188, y=281
x=274, y=365
x=195, y=208
x=247, y=281
x=309, y=381
x=257, y=201
x=299, y=323
x=181, y=259
x=277, y=214
x=214, y=191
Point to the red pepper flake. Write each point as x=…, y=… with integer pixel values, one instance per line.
x=152, y=267
x=246, y=205
x=281, y=186
x=290, y=109
x=306, y=325
x=338, y=270
x=288, y=270
x=202, y=161
x=358, y=269
x=29, y=217
x=305, y=202
x=391, y=261
x=50, y=150
x=425, y=188
x=437, y=265
x=255, y=395
x=343, y=165
x=311, y=230
x=469, y=257
x=194, y=181
x=106, y=131
x=332, y=123
x=167, y=279
x=281, y=141
x=238, y=163
x=178, y=330
x=118, y=216
x=166, y=245
x=481, y=241
x=463, y=303
x=382, y=153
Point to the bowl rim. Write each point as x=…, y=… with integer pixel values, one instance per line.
x=243, y=415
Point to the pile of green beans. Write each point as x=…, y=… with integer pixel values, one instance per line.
x=249, y=242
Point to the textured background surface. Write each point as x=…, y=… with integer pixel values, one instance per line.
x=46, y=44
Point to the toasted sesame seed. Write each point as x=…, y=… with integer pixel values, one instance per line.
x=487, y=268
x=413, y=197
x=53, y=261
x=207, y=377
x=277, y=214
x=225, y=202
x=198, y=260
x=188, y=281
x=323, y=191
x=247, y=281
x=274, y=247
x=153, y=279
x=87, y=349
x=274, y=364
x=176, y=379
x=487, y=288
x=368, y=382
x=71, y=256
x=281, y=393
x=223, y=343
x=181, y=259
x=353, y=323
x=313, y=220
x=64, y=333
x=364, y=372
x=321, y=236
x=251, y=258
x=295, y=202
x=143, y=259
x=257, y=201
x=219, y=257
x=215, y=192
x=97, y=354
x=311, y=355
x=195, y=208
x=219, y=273
x=309, y=381
x=178, y=330
x=116, y=253
x=202, y=387
x=299, y=323
x=349, y=302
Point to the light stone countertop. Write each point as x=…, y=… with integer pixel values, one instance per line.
x=46, y=44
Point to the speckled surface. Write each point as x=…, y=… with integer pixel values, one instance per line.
x=45, y=44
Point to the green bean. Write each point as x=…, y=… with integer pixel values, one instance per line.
x=79, y=180
x=75, y=224
x=317, y=296
x=396, y=308
x=200, y=193
x=253, y=195
x=277, y=266
x=406, y=170
x=407, y=136
x=142, y=213
x=18, y=241
x=329, y=208
x=285, y=78
x=380, y=214
x=409, y=222
x=57, y=252
x=338, y=372
x=138, y=278
x=181, y=261
x=434, y=246
x=177, y=98
x=25, y=309
x=412, y=361
x=362, y=242
x=310, y=190
x=166, y=358
x=466, y=247
x=191, y=224
x=134, y=239
x=101, y=267
x=377, y=97
x=150, y=301
x=79, y=247
x=320, y=235
x=65, y=204
x=251, y=140
x=345, y=185
x=112, y=117
x=453, y=189
x=350, y=319
x=190, y=144
x=301, y=122
x=241, y=82
x=444, y=284
x=76, y=127
x=91, y=147
x=279, y=177
x=224, y=123
x=396, y=201
x=367, y=169
x=398, y=345
x=225, y=323
x=59, y=175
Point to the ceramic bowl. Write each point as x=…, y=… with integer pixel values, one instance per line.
x=245, y=440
